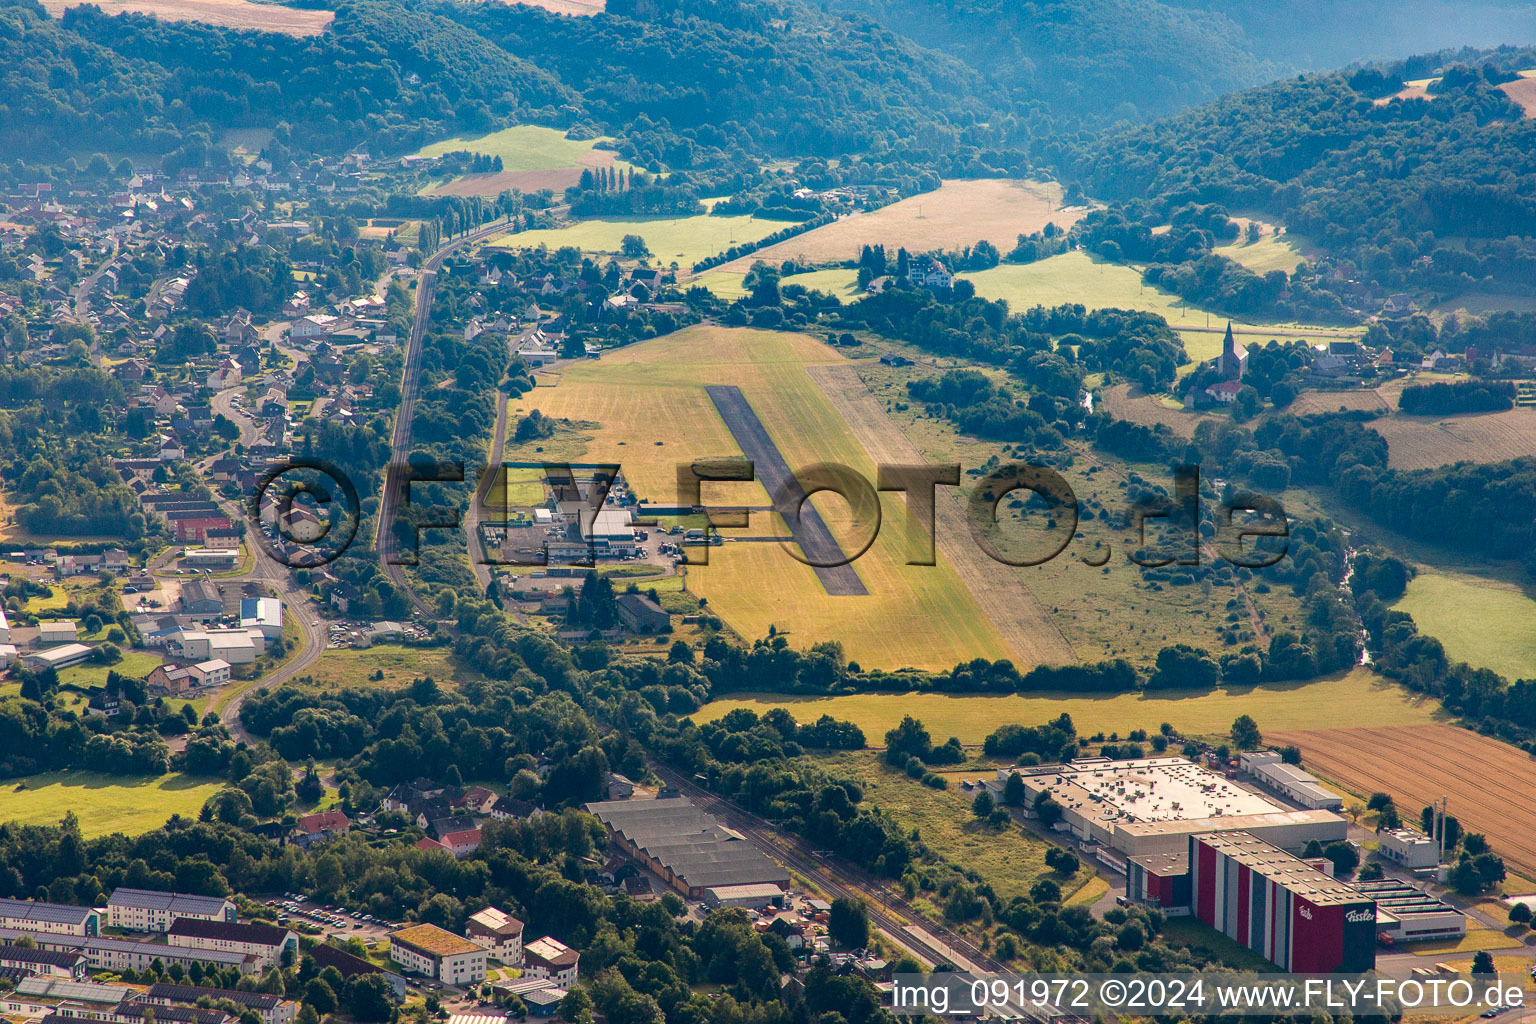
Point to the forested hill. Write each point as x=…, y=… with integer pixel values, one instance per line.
x=1088, y=60
x=1432, y=192
x=775, y=78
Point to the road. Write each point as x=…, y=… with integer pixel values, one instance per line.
x=410, y=388
x=893, y=916
x=224, y=405
x=477, y=555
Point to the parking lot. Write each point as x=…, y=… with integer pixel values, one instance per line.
x=293, y=908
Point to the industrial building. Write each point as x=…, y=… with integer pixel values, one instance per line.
x=1294, y=915
x=439, y=954
x=1410, y=848
x=148, y=910
x=755, y=896
x=1406, y=914
x=1145, y=806
x=687, y=848
x=60, y=657
x=1297, y=786
x=34, y=915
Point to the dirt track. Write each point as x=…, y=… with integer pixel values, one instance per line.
x=1491, y=785
x=1022, y=621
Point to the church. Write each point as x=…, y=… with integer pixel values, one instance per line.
x=1233, y=361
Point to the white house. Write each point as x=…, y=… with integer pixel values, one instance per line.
x=214, y=672
x=315, y=325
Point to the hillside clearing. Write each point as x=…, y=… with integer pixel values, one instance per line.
x=242, y=14
x=680, y=240
x=1356, y=698
x=1483, y=622
x=532, y=158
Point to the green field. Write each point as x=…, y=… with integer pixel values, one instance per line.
x=1482, y=622
x=1356, y=699
x=527, y=147
x=680, y=240
x=839, y=281
x=135, y=665
x=1011, y=859
x=400, y=665
x=103, y=803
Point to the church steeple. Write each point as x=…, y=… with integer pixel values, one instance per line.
x=1229, y=343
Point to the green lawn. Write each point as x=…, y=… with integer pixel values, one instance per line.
x=527, y=147
x=1485, y=623
x=104, y=803
x=135, y=665
x=683, y=240
x=400, y=665
x=1268, y=253
x=1078, y=277
x=839, y=281
x=1356, y=699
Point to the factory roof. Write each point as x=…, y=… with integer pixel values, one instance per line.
x=1283, y=869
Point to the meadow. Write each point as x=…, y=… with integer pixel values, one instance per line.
x=649, y=412
x=1011, y=859
x=839, y=281
x=104, y=803
x=400, y=666
x=532, y=158
x=1483, y=622
x=1356, y=698
x=241, y=14
x=957, y=214
x=680, y=240
x=135, y=665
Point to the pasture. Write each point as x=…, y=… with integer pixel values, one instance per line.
x=1269, y=252
x=1357, y=698
x=957, y=214
x=680, y=240
x=650, y=413
x=241, y=14
x=104, y=803
x=1483, y=622
x=839, y=281
x=1011, y=859
x=1491, y=785
x=532, y=158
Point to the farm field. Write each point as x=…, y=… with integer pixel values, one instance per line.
x=1357, y=698
x=578, y=8
x=958, y=214
x=400, y=665
x=1485, y=623
x=649, y=412
x=1523, y=91
x=1011, y=859
x=1422, y=442
x=680, y=240
x=532, y=158
x=1491, y=785
x=264, y=17
x=104, y=803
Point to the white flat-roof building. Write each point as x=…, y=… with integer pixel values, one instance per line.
x=235, y=646
x=5, y=627
x=1152, y=805
x=59, y=657
x=8, y=655
x=263, y=613
x=1289, y=780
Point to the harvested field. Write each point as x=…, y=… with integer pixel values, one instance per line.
x=960, y=213
x=1491, y=785
x=1523, y=92
x=1000, y=590
x=288, y=21
x=1422, y=442
x=578, y=8
x=1310, y=402
x=1127, y=402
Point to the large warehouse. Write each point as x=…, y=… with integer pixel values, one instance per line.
x=1289, y=780
x=689, y=850
x=1153, y=805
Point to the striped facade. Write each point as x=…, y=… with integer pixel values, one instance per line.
x=1279, y=906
